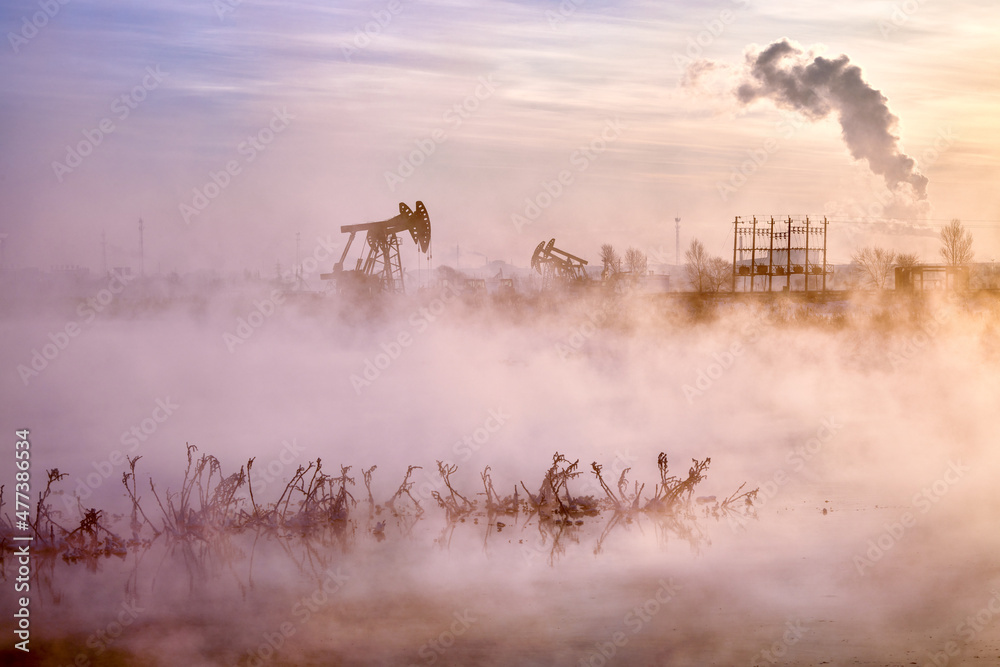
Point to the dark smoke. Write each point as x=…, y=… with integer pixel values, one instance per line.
x=817, y=87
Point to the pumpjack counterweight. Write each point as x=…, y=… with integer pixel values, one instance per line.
x=557, y=265
x=380, y=269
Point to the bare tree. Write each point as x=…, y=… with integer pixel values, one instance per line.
x=697, y=266
x=720, y=273
x=983, y=276
x=609, y=257
x=956, y=244
x=907, y=260
x=875, y=264
x=635, y=262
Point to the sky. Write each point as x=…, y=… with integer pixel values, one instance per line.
x=231, y=127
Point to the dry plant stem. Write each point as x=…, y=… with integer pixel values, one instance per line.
x=404, y=489
x=367, y=475
x=747, y=496
x=452, y=506
x=132, y=493
x=312, y=500
x=42, y=510
x=607, y=491
x=253, y=503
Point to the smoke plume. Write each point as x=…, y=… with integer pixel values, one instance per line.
x=814, y=86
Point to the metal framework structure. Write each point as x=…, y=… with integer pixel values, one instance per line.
x=555, y=265
x=925, y=277
x=380, y=269
x=763, y=250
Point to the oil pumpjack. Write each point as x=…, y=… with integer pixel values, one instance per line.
x=557, y=265
x=379, y=270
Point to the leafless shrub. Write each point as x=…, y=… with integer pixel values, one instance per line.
x=129, y=481
x=455, y=505
x=494, y=503
x=672, y=490
x=217, y=503
x=404, y=490
x=202, y=519
x=43, y=525
x=91, y=539
x=874, y=264
x=367, y=476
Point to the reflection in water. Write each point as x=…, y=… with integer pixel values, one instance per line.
x=514, y=555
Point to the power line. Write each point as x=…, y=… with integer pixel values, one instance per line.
x=926, y=222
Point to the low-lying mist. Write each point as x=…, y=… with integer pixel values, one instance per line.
x=866, y=424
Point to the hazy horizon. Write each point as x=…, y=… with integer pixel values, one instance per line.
x=294, y=119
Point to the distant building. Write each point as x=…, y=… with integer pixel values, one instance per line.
x=70, y=273
x=782, y=262
x=925, y=277
x=654, y=283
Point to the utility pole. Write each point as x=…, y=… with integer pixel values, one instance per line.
x=807, y=255
x=825, y=223
x=104, y=254
x=677, y=241
x=788, y=258
x=770, y=256
x=142, y=254
x=298, y=268
x=736, y=234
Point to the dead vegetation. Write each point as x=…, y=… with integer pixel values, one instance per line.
x=211, y=507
